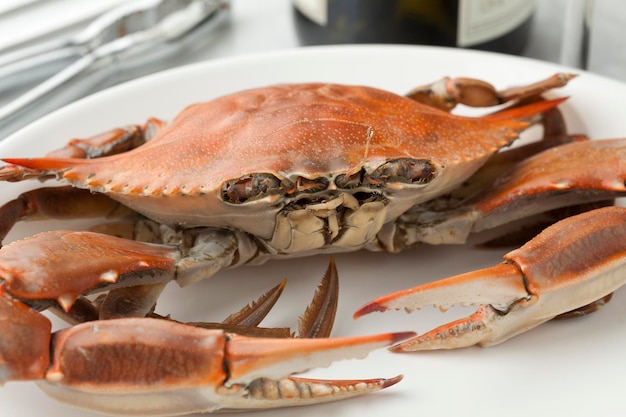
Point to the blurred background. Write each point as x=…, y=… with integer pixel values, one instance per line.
x=554, y=32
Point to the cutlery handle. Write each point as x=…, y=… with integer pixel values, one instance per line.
x=46, y=87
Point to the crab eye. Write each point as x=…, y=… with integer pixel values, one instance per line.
x=411, y=171
x=250, y=187
x=349, y=181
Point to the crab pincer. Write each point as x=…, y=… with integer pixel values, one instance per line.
x=156, y=366
x=570, y=265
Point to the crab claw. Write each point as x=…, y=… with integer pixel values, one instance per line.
x=142, y=366
x=569, y=265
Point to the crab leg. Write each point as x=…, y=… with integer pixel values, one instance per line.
x=69, y=202
x=25, y=341
x=316, y=322
x=42, y=271
x=211, y=249
x=111, y=142
x=560, y=183
x=544, y=182
x=43, y=267
x=158, y=367
x=446, y=93
x=569, y=265
x=505, y=161
x=57, y=203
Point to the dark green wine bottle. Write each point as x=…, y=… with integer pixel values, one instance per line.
x=494, y=25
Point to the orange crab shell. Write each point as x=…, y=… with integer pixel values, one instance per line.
x=290, y=131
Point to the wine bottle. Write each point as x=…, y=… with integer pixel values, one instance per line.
x=494, y=25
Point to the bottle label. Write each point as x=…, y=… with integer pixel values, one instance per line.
x=316, y=10
x=484, y=20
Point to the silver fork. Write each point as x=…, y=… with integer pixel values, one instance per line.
x=124, y=30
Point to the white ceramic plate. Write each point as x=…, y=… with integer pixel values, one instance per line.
x=573, y=368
